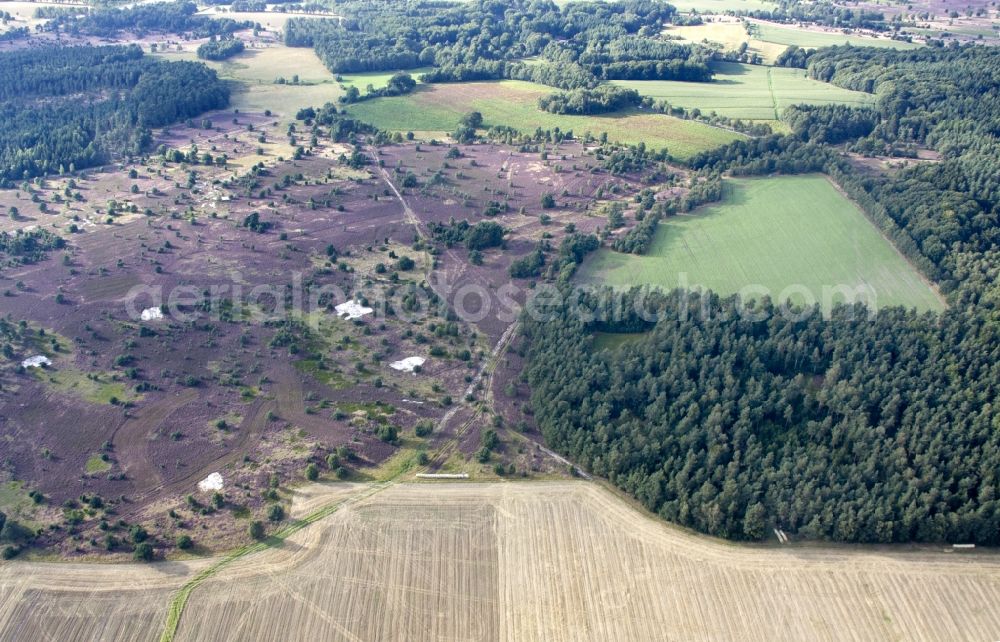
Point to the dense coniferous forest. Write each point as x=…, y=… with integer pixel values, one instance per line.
x=858, y=428
x=70, y=108
x=579, y=45
x=855, y=429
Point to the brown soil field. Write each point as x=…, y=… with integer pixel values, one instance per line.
x=515, y=561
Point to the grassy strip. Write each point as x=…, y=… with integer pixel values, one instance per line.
x=179, y=601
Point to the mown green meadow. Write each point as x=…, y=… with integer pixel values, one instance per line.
x=749, y=92
x=792, y=237
x=438, y=109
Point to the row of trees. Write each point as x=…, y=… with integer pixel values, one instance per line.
x=943, y=98
x=821, y=13
x=141, y=19
x=649, y=212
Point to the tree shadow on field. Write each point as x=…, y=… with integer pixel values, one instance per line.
x=172, y=569
x=730, y=69
x=282, y=543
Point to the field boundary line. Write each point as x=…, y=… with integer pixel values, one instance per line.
x=179, y=601
x=774, y=99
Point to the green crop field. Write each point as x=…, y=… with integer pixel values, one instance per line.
x=438, y=108
x=783, y=35
x=750, y=92
x=781, y=236
x=377, y=79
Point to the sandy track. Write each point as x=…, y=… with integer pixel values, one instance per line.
x=518, y=561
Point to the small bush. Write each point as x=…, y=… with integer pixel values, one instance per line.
x=143, y=552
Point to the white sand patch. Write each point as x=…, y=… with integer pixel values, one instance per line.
x=352, y=310
x=408, y=364
x=37, y=361
x=210, y=483
x=151, y=314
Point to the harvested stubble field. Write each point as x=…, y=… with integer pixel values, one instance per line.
x=517, y=561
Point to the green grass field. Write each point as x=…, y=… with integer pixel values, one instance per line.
x=96, y=465
x=378, y=79
x=438, y=108
x=781, y=236
x=785, y=35
x=750, y=92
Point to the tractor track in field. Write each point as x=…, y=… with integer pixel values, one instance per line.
x=774, y=99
